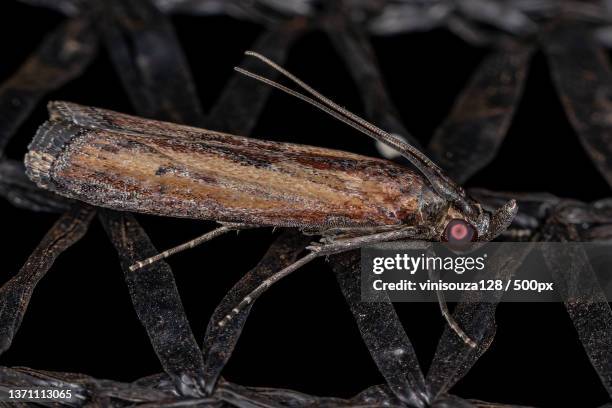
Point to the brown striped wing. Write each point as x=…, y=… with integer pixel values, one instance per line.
x=127, y=163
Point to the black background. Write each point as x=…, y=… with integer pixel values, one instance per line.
x=301, y=334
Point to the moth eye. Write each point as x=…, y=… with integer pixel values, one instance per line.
x=458, y=230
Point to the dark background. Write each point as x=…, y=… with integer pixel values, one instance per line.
x=301, y=334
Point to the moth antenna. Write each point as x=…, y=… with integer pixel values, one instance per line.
x=439, y=181
x=187, y=245
x=307, y=99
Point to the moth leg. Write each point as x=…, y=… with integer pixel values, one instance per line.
x=318, y=249
x=452, y=323
x=224, y=228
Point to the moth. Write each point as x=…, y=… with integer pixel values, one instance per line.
x=127, y=163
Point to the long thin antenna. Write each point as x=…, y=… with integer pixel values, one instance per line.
x=305, y=98
x=439, y=181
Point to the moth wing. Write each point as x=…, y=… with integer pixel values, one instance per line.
x=128, y=163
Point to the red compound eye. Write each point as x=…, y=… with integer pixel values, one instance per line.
x=458, y=230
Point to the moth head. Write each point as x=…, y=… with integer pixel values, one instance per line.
x=478, y=225
x=459, y=232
